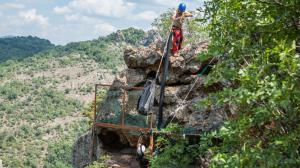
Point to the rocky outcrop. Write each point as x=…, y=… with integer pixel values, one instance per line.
x=81, y=154
x=142, y=65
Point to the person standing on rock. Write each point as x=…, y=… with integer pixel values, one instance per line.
x=178, y=19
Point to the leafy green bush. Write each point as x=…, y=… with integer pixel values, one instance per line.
x=256, y=44
x=193, y=31
x=60, y=150
x=100, y=163
x=86, y=89
x=13, y=89
x=50, y=104
x=59, y=154
x=130, y=35
x=174, y=151
x=163, y=23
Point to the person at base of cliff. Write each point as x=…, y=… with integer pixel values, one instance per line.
x=178, y=19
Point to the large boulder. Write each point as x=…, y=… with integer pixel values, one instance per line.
x=181, y=67
x=144, y=58
x=81, y=154
x=134, y=77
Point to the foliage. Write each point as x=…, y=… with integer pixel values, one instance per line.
x=130, y=35
x=100, y=163
x=174, y=151
x=22, y=47
x=22, y=139
x=108, y=50
x=163, y=23
x=39, y=120
x=12, y=90
x=50, y=104
x=89, y=109
x=59, y=151
x=106, y=54
x=255, y=42
x=193, y=30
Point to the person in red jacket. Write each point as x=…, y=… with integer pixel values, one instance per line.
x=178, y=19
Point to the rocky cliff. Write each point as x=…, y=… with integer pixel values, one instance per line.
x=142, y=65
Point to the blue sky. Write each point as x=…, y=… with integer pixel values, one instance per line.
x=63, y=21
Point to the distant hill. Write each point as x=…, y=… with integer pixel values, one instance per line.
x=8, y=36
x=43, y=96
x=22, y=47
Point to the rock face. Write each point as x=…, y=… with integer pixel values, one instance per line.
x=82, y=151
x=142, y=65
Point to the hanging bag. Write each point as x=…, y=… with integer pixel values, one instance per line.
x=146, y=100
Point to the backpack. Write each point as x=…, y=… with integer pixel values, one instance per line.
x=146, y=99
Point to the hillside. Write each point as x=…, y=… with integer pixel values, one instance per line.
x=42, y=98
x=231, y=97
x=245, y=107
x=22, y=47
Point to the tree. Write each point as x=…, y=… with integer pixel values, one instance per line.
x=163, y=23
x=256, y=44
x=22, y=47
x=194, y=31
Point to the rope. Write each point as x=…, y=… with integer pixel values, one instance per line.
x=161, y=60
x=157, y=72
x=181, y=104
x=198, y=77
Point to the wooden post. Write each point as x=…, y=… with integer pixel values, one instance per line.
x=123, y=107
x=151, y=144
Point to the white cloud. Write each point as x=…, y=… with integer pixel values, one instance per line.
x=104, y=28
x=170, y=3
x=11, y=6
x=81, y=18
x=146, y=15
x=71, y=18
x=32, y=16
x=62, y=10
x=115, y=8
x=191, y=4
x=98, y=25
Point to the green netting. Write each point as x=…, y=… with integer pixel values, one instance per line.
x=111, y=105
x=109, y=108
x=132, y=117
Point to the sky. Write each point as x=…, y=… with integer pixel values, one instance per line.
x=64, y=21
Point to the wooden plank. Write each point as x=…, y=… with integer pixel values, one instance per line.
x=122, y=127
